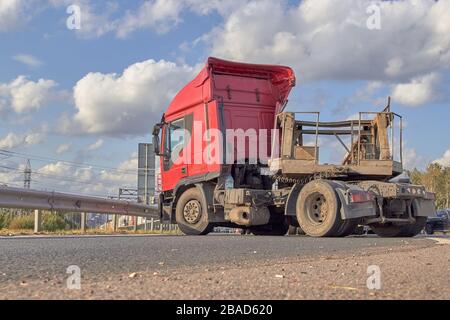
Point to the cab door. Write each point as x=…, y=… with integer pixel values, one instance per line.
x=177, y=151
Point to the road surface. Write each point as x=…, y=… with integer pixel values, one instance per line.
x=223, y=267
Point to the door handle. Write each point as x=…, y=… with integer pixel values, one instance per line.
x=183, y=170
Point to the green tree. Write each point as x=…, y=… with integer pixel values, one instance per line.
x=436, y=178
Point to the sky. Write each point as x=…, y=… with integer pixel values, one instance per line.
x=82, y=82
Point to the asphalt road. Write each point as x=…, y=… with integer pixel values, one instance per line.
x=160, y=267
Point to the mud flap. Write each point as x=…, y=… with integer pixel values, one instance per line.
x=425, y=208
x=354, y=210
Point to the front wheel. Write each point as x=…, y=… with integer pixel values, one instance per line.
x=191, y=214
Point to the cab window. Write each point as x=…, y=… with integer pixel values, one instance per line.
x=177, y=133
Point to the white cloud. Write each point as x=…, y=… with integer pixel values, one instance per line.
x=160, y=15
x=125, y=104
x=445, y=160
x=28, y=60
x=411, y=159
x=328, y=39
x=96, y=145
x=11, y=174
x=417, y=92
x=163, y=15
x=123, y=176
x=23, y=95
x=96, y=19
x=13, y=140
x=12, y=14
x=63, y=148
x=87, y=180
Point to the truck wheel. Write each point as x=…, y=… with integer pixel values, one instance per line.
x=318, y=210
x=191, y=213
x=348, y=227
x=270, y=230
x=414, y=229
x=386, y=230
x=276, y=229
x=392, y=230
x=429, y=229
x=293, y=225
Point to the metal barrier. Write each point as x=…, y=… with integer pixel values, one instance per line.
x=55, y=201
x=16, y=198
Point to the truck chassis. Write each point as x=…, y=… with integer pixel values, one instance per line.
x=293, y=188
x=324, y=200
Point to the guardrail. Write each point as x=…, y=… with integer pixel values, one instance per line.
x=55, y=201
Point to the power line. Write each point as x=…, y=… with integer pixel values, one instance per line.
x=51, y=176
x=49, y=188
x=10, y=184
x=69, y=163
x=46, y=187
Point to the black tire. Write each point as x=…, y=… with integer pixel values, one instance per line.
x=277, y=229
x=429, y=229
x=318, y=210
x=293, y=225
x=393, y=231
x=348, y=227
x=191, y=215
x=387, y=230
x=409, y=230
x=414, y=229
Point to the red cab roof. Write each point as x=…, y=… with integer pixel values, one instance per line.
x=200, y=90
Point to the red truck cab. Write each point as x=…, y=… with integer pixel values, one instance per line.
x=225, y=95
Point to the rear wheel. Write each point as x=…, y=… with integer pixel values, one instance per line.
x=403, y=230
x=293, y=225
x=392, y=230
x=279, y=226
x=429, y=229
x=191, y=214
x=415, y=228
x=318, y=210
x=348, y=227
x=277, y=229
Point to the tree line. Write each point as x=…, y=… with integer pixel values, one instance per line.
x=436, y=178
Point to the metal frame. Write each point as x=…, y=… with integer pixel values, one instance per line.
x=393, y=115
x=351, y=123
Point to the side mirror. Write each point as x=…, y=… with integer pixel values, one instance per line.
x=156, y=141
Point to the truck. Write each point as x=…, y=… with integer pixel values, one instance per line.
x=231, y=156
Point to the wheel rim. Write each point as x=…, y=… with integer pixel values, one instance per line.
x=317, y=208
x=192, y=211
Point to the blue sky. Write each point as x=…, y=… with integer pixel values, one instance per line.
x=342, y=67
